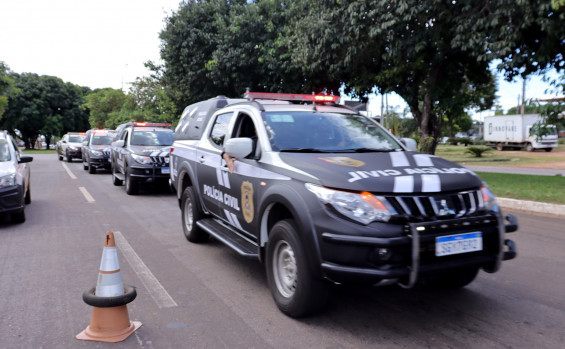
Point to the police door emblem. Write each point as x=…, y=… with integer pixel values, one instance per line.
x=247, y=201
x=343, y=161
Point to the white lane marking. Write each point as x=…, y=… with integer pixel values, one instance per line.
x=68, y=171
x=86, y=194
x=153, y=286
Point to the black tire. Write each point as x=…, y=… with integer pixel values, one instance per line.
x=548, y=149
x=296, y=291
x=84, y=164
x=451, y=280
x=529, y=147
x=109, y=302
x=19, y=217
x=499, y=147
x=91, y=169
x=59, y=156
x=69, y=158
x=132, y=187
x=191, y=213
x=115, y=180
x=27, y=199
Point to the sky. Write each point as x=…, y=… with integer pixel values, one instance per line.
x=104, y=43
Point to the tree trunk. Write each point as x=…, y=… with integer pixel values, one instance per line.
x=429, y=126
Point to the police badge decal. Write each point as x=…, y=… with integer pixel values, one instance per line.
x=247, y=201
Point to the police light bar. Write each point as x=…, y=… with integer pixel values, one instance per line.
x=292, y=97
x=150, y=124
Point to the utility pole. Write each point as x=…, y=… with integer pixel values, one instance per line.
x=523, y=95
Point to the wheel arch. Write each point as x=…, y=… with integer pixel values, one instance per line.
x=286, y=203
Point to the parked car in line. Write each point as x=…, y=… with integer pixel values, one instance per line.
x=70, y=146
x=96, y=149
x=15, y=191
x=140, y=154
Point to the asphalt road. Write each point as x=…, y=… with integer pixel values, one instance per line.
x=205, y=296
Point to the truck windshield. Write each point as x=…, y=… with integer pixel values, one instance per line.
x=326, y=132
x=162, y=137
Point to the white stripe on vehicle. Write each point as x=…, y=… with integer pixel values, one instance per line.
x=399, y=159
x=424, y=160
x=431, y=183
x=403, y=184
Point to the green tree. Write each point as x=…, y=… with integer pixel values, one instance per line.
x=151, y=99
x=219, y=47
x=401, y=46
x=101, y=104
x=6, y=85
x=41, y=103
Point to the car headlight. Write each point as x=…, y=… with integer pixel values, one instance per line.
x=489, y=199
x=363, y=207
x=8, y=181
x=97, y=152
x=74, y=148
x=142, y=159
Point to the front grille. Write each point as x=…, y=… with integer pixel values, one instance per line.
x=106, y=153
x=160, y=160
x=438, y=206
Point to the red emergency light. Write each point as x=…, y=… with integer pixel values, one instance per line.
x=151, y=124
x=292, y=97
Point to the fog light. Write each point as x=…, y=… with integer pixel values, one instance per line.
x=384, y=254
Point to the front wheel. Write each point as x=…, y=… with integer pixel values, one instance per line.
x=132, y=187
x=91, y=169
x=69, y=158
x=529, y=147
x=115, y=180
x=295, y=290
x=190, y=214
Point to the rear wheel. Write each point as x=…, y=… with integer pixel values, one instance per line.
x=296, y=291
x=499, y=147
x=190, y=214
x=453, y=279
x=548, y=149
x=84, y=164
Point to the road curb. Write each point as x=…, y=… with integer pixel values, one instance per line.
x=532, y=206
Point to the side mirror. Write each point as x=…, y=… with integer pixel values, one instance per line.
x=25, y=158
x=119, y=144
x=410, y=144
x=239, y=147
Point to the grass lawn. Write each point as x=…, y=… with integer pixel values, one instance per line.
x=456, y=153
x=39, y=151
x=550, y=189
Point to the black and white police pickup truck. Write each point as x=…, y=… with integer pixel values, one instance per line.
x=320, y=193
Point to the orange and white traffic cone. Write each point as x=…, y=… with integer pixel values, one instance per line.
x=110, y=320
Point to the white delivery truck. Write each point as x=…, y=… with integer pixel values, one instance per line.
x=515, y=131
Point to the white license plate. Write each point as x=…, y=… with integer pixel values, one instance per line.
x=165, y=170
x=459, y=243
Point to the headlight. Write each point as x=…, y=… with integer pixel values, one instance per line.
x=363, y=207
x=74, y=148
x=144, y=160
x=8, y=181
x=489, y=200
x=96, y=152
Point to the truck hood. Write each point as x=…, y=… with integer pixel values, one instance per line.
x=392, y=172
x=151, y=150
x=6, y=168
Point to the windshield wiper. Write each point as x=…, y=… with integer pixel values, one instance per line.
x=305, y=150
x=370, y=150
